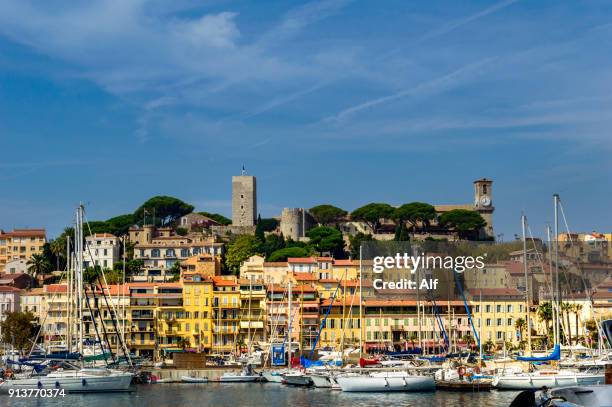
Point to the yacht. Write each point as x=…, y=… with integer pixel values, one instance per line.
x=73, y=380
x=246, y=375
x=386, y=382
x=550, y=379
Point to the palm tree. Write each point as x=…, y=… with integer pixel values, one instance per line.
x=545, y=315
x=577, y=311
x=566, y=308
x=520, y=325
x=37, y=265
x=57, y=248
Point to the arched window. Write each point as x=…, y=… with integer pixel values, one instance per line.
x=155, y=253
x=169, y=252
x=184, y=252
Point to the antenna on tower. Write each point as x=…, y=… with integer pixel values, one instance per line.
x=243, y=170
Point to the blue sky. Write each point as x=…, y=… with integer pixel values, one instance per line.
x=342, y=102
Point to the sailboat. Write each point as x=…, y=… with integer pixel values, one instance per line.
x=386, y=382
x=548, y=378
x=69, y=376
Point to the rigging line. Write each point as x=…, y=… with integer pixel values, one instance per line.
x=121, y=334
x=40, y=327
x=588, y=290
x=549, y=286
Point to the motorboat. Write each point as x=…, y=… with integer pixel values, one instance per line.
x=74, y=380
x=551, y=379
x=321, y=379
x=297, y=378
x=386, y=382
x=246, y=375
x=191, y=379
x=273, y=376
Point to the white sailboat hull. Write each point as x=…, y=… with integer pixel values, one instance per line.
x=189, y=379
x=273, y=377
x=77, y=383
x=238, y=379
x=387, y=383
x=537, y=381
x=320, y=380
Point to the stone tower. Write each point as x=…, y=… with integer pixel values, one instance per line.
x=483, y=204
x=295, y=222
x=244, y=200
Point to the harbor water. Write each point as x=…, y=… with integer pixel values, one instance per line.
x=260, y=395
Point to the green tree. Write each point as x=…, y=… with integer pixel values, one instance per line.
x=165, y=208
x=267, y=224
x=57, y=248
x=520, y=324
x=401, y=232
x=415, y=213
x=372, y=213
x=132, y=266
x=356, y=241
x=222, y=220
x=119, y=225
x=566, y=309
x=465, y=222
x=327, y=214
x=17, y=329
x=38, y=265
x=544, y=313
x=272, y=243
x=325, y=239
x=283, y=254
x=182, y=231
x=174, y=272
x=240, y=249
x=577, y=311
x=259, y=231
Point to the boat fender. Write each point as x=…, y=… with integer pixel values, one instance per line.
x=386, y=382
x=39, y=384
x=57, y=385
x=84, y=382
x=405, y=382
x=461, y=371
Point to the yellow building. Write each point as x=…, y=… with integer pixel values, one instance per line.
x=170, y=319
x=197, y=303
x=341, y=329
x=20, y=244
x=496, y=315
x=203, y=264
x=143, y=305
x=345, y=270
x=252, y=312
x=112, y=311
x=226, y=315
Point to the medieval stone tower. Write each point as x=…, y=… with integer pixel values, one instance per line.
x=295, y=222
x=483, y=204
x=244, y=200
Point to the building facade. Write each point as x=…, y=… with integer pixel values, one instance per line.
x=21, y=244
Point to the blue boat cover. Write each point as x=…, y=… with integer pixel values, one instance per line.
x=555, y=355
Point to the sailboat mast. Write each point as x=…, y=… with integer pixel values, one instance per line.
x=556, y=241
x=554, y=307
x=78, y=246
x=524, y=227
x=480, y=324
x=290, y=322
x=68, y=294
x=360, y=301
x=249, y=328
